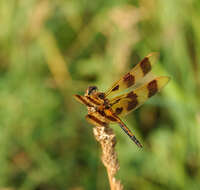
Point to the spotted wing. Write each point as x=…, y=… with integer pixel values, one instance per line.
x=96, y=119
x=122, y=105
x=132, y=77
x=104, y=117
x=88, y=100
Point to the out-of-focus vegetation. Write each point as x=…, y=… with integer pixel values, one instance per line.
x=50, y=50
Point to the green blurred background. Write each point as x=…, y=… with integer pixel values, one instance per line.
x=50, y=50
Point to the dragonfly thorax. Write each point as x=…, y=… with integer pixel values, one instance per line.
x=96, y=99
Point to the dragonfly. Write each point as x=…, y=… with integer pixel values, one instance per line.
x=108, y=107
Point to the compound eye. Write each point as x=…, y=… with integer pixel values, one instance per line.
x=91, y=89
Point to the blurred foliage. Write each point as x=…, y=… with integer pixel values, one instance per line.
x=50, y=50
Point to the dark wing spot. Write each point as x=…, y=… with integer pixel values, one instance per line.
x=145, y=65
x=92, y=100
x=129, y=79
x=132, y=104
x=102, y=113
x=115, y=88
x=111, y=118
x=131, y=95
x=83, y=100
x=152, y=88
x=118, y=110
x=97, y=120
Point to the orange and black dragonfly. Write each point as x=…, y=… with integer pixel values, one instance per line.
x=103, y=108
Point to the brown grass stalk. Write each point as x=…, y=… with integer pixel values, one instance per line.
x=106, y=137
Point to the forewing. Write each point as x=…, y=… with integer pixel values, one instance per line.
x=96, y=119
x=132, y=77
x=104, y=117
x=89, y=101
x=122, y=105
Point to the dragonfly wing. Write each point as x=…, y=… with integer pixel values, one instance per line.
x=96, y=119
x=132, y=77
x=122, y=105
x=103, y=119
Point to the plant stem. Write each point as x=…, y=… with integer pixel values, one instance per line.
x=106, y=137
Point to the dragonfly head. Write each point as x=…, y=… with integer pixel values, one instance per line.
x=93, y=91
x=90, y=90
